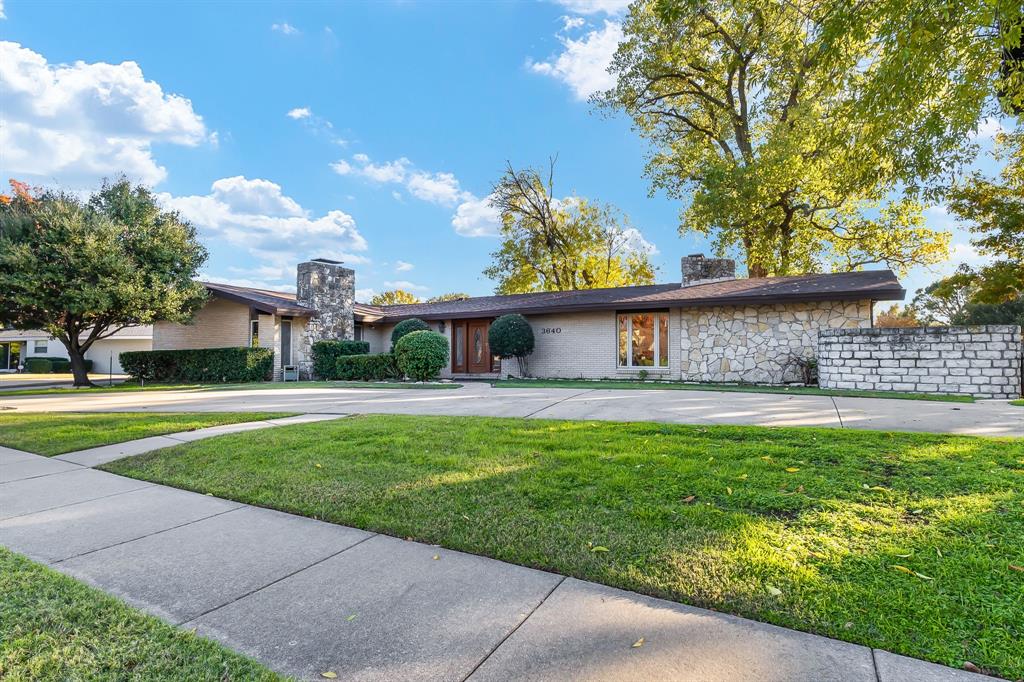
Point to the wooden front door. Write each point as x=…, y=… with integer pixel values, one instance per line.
x=479, y=351
x=471, y=352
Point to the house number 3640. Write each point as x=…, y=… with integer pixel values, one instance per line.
x=551, y=330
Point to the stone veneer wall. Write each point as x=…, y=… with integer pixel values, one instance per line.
x=329, y=289
x=983, y=361
x=758, y=344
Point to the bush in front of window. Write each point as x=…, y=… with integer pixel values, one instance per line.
x=38, y=366
x=422, y=355
x=409, y=326
x=511, y=336
x=376, y=367
x=326, y=354
x=200, y=365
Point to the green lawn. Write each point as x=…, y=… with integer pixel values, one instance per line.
x=907, y=542
x=52, y=433
x=736, y=388
x=55, y=628
x=1018, y=403
x=268, y=385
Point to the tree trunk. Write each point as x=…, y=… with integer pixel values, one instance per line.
x=78, y=368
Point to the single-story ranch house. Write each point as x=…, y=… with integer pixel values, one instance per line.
x=711, y=326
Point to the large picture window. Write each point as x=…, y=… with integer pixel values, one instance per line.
x=643, y=339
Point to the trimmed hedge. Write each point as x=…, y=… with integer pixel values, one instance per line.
x=38, y=365
x=376, y=367
x=422, y=355
x=200, y=365
x=404, y=327
x=326, y=354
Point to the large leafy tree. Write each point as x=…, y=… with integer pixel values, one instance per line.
x=82, y=271
x=944, y=301
x=790, y=126
x=394, y=297
x=995, y=209
x=551, y=244
x=450, y=296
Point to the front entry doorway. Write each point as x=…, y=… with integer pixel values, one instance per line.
x=471, y=352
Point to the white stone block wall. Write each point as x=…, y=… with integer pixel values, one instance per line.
x=758, y=344
x=982, y=361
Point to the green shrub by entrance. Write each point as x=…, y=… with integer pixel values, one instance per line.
x=422, y=355
x=200, y=365
x=326, y=354
x=376, y=367
x=407, y=327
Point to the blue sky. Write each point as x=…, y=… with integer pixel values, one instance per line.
x=368, y=131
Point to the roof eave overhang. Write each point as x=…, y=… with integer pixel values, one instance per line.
x=261, y=306
x=887, y=294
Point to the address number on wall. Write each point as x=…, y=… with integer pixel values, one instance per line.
x=550, y=330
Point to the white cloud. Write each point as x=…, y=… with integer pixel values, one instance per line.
x=299, y=113
x=476, y=218
x=402, y=266
x=285, y=28
x=583, y=63
x=473, y=216
x=2, y=15
x=570, y=23
x=364, y=295
x=437, y=188
x=406, y=285
x=595, y=6
x=633, y=241
x=75, y=124
x=258, y=218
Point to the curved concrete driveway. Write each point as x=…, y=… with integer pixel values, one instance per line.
x=989, y=418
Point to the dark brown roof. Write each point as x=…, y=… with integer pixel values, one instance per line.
x=270, y=302
x=877, y=285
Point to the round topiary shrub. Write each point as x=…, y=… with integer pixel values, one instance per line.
x=421, y=355
x=409, y=326
x=511, y=336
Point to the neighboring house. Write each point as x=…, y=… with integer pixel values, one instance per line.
x=709, y=327
x=16, y=346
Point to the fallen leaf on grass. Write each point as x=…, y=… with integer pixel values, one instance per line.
x=728, y=490
x=904, y=569
x=318, y=465
x=792, y=470
x=599, y=548
x=742, y=477
x=1015, y=567
x=774, y=591
x=638, y=643
x=689, y=499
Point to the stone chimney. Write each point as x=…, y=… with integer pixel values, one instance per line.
x=700, y=270
x=329, y=289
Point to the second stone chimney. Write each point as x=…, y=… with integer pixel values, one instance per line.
x=700, y=270
x=329, y=289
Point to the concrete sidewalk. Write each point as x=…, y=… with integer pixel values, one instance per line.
x=991, y=418
x=306, y=597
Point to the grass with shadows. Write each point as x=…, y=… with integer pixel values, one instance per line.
x=266, y=385
x=54, y=433
x=55, y=628
x=1018, y=403
x=728, y=388
x=907, y=542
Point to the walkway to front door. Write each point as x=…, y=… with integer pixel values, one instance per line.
x=471, y=352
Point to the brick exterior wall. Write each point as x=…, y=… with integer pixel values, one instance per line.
x=983, y=361
x=219, y=324
x=758, y=344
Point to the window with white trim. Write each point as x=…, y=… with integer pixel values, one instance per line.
x=41, y=346
x=643, y=339
x=254, y=333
